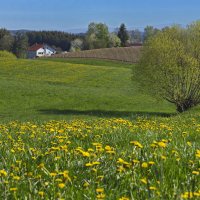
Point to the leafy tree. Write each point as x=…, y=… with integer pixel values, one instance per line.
x=20, y=45
x=114, y=40
x=97, y=36
x=135, y=36
x=6, y=40
x=123, y=35
x=149, y=32
x=76, y=45
x=170, y=66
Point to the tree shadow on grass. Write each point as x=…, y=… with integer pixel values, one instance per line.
x=105, y=113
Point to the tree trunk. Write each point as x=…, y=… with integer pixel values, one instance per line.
x=186, y=105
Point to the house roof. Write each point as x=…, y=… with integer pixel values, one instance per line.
x=35, y=47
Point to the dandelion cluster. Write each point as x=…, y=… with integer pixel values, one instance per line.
x=100, y=159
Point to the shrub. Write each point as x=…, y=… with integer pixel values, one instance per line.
x=7, y=55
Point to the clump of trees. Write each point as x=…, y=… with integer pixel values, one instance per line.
x=19, y=42
x=170, y=66
x=98, y=36
x=6, y=40
x=57, y=39
x=20, y=45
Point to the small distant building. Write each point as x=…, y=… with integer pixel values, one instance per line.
x=40, y=50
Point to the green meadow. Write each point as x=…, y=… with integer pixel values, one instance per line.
x=81, y=129
x=72, y=88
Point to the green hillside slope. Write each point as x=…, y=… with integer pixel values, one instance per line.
x=43, y=90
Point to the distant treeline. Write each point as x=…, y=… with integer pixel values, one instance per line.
x=56, y=39
x=97, y=37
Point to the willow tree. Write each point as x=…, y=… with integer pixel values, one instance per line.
x=169, y=67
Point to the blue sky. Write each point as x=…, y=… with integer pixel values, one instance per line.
x=75, y=15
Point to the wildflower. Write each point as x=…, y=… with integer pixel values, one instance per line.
x=3, y=172
x=41, y=193
x=144, y=165
x=198, y=154
x=108, y=148
x=177, y=159
x=187, y=195
x=144, y=180
x=136, y=161
x=58, y=180
x=163, y=157
x=162, y=144
x=13, y=189
x=99, y=190
x=195, y=172
x=94, y=170
x=124, y=198
x=151, y=163
x=137, y=144
x=41, y=165
x=88, y=164
x=121, y=169
x=61, y=185
x=100, y=196
x=66, y=175
x=96, y=163
x=85, y=154
x=152, y=188
x=53, y=174
x=189, y=144
x=86, y=184
x=123, y=162
x=16, y=178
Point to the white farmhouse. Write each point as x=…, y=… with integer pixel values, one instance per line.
x=40, y=50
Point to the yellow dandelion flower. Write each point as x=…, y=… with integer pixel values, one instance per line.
x=121, y=169
x=41, y=193
x=101, y=196
x=99, y=190
x=3, y=172
x=85, y=154
x=151, y=163
x=144, y=165
x=152, y=188
x=41, y=165
x=137, y=144
x=86, y=184
x=162, y=144
x=53, y=174
x=144, y=180
x=189, y=144
x=61, y=185
x=163, y=157
x=124, y=198
x=89, y=165
x=187, y=195
x=58, y=180
x=96, y=163
x=195, y=172
x=13, y=189
x=16, y=178
x=136, y=161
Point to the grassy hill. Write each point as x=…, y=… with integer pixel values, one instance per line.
x=65, y=89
